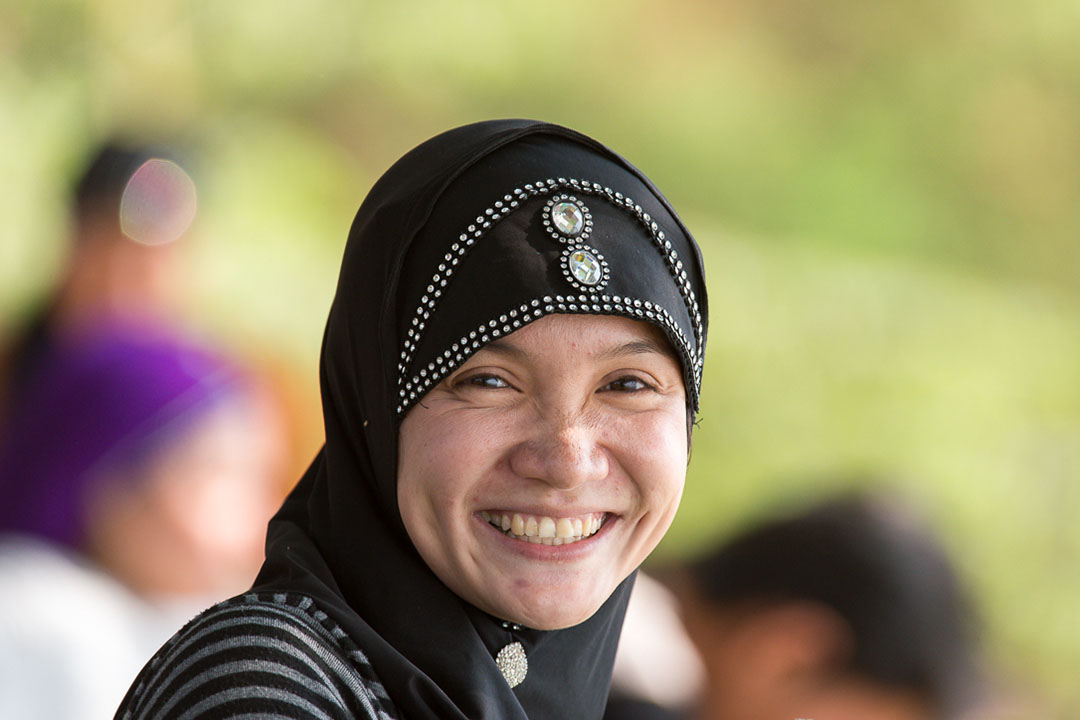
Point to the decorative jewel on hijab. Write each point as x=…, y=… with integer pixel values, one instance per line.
x=584, y=268
x=569, y=221
x=513, y=664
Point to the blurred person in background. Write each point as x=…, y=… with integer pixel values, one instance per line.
x=848, y=610
x=137, y=476
x=658, y=672
x=128, y=208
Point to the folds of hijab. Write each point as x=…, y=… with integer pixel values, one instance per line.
x=461, y=241
x=94, y=406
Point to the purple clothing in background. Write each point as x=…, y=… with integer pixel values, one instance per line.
x=101, y=401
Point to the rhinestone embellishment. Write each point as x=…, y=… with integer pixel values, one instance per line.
x=585, y=267
x=567, y=217
x=570, y=222
x=513, y=664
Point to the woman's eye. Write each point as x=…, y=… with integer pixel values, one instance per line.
x=627, y=384
x=491, y=382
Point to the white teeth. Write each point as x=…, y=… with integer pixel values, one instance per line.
x=545, y=530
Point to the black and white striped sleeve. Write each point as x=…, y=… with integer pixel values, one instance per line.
x=274, y=656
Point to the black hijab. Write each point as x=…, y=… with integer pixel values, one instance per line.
x=469, y=236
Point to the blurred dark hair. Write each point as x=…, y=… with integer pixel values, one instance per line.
x=880, y=571
x=107, y=174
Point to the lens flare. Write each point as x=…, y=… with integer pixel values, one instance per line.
x=158, y=205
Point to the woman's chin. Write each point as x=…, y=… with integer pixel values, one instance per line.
x=551, y=622
x=548, y=611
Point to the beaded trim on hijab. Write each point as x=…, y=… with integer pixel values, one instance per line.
x=568, y=221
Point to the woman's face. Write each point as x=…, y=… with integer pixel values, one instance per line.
x=538, y=475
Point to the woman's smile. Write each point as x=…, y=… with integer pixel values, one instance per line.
x=545, y=529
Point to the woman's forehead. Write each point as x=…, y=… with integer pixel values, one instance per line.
x=602, y=336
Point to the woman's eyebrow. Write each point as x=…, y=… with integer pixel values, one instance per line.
x=505, y=347
x=635, y=347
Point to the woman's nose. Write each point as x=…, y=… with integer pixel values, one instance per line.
x=563, y=452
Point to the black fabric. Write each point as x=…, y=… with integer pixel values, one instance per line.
x=625, y=708
x=339, y=537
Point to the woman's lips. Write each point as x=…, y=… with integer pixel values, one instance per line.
x=543, y=529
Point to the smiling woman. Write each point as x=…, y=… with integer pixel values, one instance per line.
x=510, y=361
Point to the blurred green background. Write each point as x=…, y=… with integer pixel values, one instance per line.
x=887, y=196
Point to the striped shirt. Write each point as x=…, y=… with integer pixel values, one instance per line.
x=259, y=656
